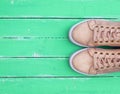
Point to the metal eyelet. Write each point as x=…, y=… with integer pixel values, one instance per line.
x=101, y=67
x=118, y=53
x=112, y=54
x=106, y=41
x=95, y=41
x=107, y=66
x=95, y=52
x=112, y=40
x=118, y=27
x=96, y=26
x=112, y=27
x=107, y=53
x=96, y=69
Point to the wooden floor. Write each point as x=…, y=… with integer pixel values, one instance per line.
x=35, y=49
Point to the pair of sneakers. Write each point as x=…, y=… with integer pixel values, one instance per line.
x=93, y=33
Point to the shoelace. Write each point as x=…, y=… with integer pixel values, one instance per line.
x=104, y=61
x=106, y=34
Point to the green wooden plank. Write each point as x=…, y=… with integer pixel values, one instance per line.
x=36, y=27
x=60, y=85
x=50, y=47
x=35, y=67
x=39, y=67
x=59, y=8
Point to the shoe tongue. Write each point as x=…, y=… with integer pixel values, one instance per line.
x=91, y=24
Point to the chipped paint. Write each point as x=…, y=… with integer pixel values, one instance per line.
x=28, y=30
x=12, y=2
x=36, y=54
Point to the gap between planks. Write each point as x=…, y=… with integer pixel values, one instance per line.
x=67, y=77
x=35, y=17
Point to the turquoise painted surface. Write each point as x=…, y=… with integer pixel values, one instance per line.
x=35, y=48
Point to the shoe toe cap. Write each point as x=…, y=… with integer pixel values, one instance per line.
x=81, y=62
x=81, y=34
